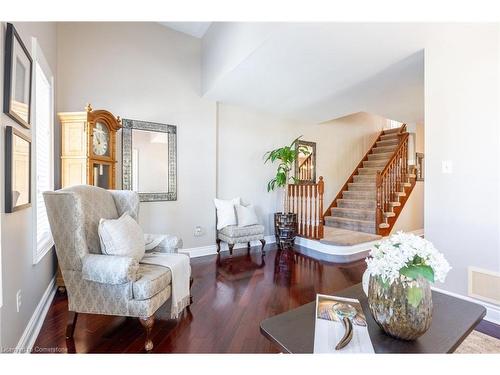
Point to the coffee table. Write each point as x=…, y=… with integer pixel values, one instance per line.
x=452, y=321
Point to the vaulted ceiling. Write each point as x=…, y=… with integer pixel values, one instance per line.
x=317, y=71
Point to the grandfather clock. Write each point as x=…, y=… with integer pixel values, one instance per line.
x=88, y=154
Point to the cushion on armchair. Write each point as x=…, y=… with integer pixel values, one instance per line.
x=151, y=280
x=107, y=269
x=122, y=236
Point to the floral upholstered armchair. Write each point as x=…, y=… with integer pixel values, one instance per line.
x=97, y=283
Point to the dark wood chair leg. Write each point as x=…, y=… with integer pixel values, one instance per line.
x=190, y=294
x=218, y=245
x=148, y=323
x=70, y=327
x=263, y=242
x=231, y=249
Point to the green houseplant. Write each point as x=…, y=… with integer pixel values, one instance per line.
x=285, y=222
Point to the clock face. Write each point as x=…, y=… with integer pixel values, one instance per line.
x=100, y=144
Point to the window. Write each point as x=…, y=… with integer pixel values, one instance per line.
x=43, y=163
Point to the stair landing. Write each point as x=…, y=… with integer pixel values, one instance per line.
x=345, y=237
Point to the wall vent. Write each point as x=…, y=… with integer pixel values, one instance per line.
x=484, y=285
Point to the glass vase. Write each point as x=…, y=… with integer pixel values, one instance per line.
x=403, y=308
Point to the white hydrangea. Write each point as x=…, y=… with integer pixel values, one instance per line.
x=399, y=250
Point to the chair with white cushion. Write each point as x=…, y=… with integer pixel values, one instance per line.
x=233, y=234
x=97, y=283
x=237, y=224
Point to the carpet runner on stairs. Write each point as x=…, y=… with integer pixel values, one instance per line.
x=356, y=209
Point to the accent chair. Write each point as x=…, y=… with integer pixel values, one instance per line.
x=98, y=283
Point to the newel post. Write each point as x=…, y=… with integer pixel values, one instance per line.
x=321, y=190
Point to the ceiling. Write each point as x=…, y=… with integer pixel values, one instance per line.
x=196, y=29
x=317, y=71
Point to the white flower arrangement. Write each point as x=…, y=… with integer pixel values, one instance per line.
x=407, y=255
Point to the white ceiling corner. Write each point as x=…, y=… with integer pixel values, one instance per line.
x=196, y=29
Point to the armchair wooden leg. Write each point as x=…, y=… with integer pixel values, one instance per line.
x=190, y=294
x=218, y=245
x=263, y=242
x=231, y=248
x=148, y=323
x=70, y=327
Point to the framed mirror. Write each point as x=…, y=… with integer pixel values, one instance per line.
x=149, y=160
x=17, y=170
x=305, y=164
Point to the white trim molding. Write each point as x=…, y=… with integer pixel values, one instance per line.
x=28, y=338
x=195, y=252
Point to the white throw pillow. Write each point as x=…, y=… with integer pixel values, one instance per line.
x=122, y=236
x=246, y=215
x=226, y=214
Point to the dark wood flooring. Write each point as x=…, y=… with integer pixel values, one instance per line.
x=231, y=297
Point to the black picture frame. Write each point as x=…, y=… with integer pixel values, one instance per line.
x=11, y=36
x=10, y=134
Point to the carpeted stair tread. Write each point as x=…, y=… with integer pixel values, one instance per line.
x=391, y=131
x=387, y=142
x=364, y=178
x=384, y=149
x=381, y=155
x=359, y=194
x=367, y=226
x=385, y=137
x=357, y=203
x=353, y=213
x=375, y=163
x=362, y=186
x=364, y=171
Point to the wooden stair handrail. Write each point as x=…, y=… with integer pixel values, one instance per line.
x=351, y=178
x=393, y=157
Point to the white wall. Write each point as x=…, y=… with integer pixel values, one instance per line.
x=146, y=71
x=462, y=125
x=244, y=136
x=18, y=270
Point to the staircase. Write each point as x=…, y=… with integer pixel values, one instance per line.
x=373, y=196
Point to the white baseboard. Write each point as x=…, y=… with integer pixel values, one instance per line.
x=492, y=311
x=201, y=251
x=28, y=338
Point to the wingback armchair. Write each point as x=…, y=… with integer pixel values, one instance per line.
x=97, y=283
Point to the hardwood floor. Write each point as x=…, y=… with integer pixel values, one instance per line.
x=231, y=297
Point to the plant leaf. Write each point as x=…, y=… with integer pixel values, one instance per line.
x=414, y=295
x=414, y=271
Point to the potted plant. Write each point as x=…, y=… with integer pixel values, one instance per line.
x=285, y=222
x=400, y=270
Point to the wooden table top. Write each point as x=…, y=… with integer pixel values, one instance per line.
x=452, y=321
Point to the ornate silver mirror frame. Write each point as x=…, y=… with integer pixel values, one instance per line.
x=127, y=127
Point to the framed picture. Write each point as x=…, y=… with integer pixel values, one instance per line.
x=17, y=78
x=420, y=166
x=17, y=170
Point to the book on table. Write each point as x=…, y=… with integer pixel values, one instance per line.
x=331, y=328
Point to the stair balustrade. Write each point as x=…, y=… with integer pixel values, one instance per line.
x=391, y=180
x=306, y=200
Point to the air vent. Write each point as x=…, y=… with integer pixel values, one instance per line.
x=484, y=285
